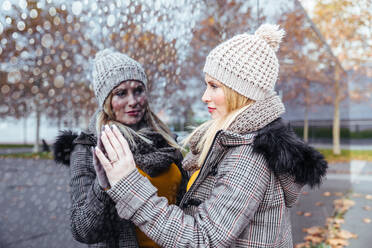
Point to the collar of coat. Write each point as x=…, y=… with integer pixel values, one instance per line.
x=285, y=153
x=153, y=158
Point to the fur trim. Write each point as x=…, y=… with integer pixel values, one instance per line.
x=63, y=147
x=288, y=154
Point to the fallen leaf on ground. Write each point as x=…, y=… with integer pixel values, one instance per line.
x=305, y=193
x=367, y=208
x=327, y=194
x=308, y=214
x=314, y=239
x=367, y=220
x=357, y=195
x=338, y=194
x=344, y=234
x=300, y=213
x=318, y=204
x=314, y=230
x=338, y=242
x=302, y=245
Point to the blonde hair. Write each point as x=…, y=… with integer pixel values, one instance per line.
x=107, y=117
x=236, y=103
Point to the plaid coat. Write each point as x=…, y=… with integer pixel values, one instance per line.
x=240, y=198
x=94, y=218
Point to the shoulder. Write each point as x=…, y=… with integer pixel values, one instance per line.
x=67, y=141
x=288, y=154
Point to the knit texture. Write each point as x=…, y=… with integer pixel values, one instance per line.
x=110, y=69
x=248, y=63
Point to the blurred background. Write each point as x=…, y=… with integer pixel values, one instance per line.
x=47, y=48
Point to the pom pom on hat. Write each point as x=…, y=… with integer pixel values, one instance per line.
x=271, y=34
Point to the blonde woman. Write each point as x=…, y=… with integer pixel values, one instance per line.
x=120, y=88
x=247, y=166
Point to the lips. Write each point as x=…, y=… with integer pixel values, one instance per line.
x=133, y=112
x=211, y=109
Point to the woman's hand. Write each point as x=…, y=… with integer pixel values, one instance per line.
x=119, y=161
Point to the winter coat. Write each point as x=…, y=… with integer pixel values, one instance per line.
x=241, y=197
x=94, y=219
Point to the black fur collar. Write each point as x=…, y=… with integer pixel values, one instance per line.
x=288, y=154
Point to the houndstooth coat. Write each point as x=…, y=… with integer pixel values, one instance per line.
x=94, y=219
x=241, y=198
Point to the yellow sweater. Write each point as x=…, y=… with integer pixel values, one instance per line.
x=167, y=184
x=192, y=179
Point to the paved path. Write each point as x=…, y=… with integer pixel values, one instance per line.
x=34, y=205
x=316, y=205
x=35, y=201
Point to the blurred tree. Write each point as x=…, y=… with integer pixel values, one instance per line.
x=41, y=60
x=346, y=27
x=305, y=65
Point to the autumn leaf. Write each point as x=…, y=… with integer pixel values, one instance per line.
x=344, y=234
x=337, y=242
x=367, y=220
x=318, y=204
x=367, y=208
x=327, y=194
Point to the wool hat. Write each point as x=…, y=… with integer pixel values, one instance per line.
x=248, y=63
x=110, y=68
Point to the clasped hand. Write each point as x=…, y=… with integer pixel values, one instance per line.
x=119, y=161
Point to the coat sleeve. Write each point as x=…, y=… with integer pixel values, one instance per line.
x=218, y=221
x=90, y=210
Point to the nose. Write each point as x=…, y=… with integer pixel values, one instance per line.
x=205, y=97
x=132, y=100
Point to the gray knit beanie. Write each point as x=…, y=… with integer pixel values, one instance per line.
x=110, y=69
x=248, y=63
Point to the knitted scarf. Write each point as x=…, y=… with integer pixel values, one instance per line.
x=256, y=116
x=154, y=158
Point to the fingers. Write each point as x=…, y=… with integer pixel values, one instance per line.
x=108, y=145
x=123, y=142
x=102, y=158
x=114, y=140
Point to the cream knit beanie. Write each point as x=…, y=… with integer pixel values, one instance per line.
x=248, y=63
x=110, y=69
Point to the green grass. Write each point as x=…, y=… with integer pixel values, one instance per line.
x=326, y=132
x=29, y=155
x=5, y=146
x=346, y=155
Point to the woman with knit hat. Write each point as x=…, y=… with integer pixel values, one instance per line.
x=120, y=88
x=247, y=166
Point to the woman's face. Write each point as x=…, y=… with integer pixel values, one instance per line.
x=129, y=102
x=214, y=97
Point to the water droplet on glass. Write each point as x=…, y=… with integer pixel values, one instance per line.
x=77, y=7
x=8, y=20
x=47, y=40
x=111, y=20
x=6, y=5
x=21, y=26
x=52, y=11
x=22, y=4
x=5, y=89
x=59, y=81
x=33, y=13
x=47, y=25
